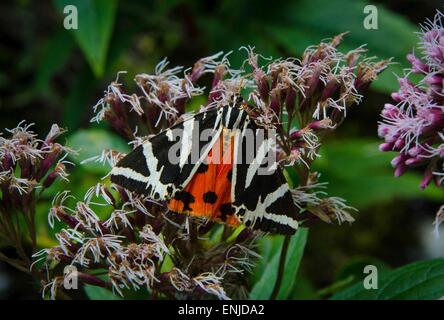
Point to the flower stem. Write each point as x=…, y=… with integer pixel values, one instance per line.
x=280, y=275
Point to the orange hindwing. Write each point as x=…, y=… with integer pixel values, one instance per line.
x=208, y=194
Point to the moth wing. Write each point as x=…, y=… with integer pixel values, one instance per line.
x=208, y=194
x=166, y=162
x=261, y=195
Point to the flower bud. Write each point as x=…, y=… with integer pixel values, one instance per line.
x=330, y=89
x=53, y=134
x=119, y=124
x=197, y=71
x=8, y=162
x=26, y=168
x=275, y=103
x=290, y=100
x=434, y=79
x=427, y=178
x=414, y=161
x=386, y=146
x=117, y=106
x=390, y=111
x=397, y=160
x=71, y=221
x=219, y=73
x=399, y=144
x=396, y=96
x=400, y=170
x=92, y=280
x=415, y=151
x=417, y=65
x=52, y=176
x=296, y=134
x=321, y=124
x=383, y=131
x=48, y=161
x=314, y=82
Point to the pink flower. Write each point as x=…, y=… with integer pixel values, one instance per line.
x=413, y=126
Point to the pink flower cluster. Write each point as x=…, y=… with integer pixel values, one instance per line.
x=413, y=125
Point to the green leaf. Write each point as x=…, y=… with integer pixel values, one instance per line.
x=91, y=143
x=417, y=281
x=99, y=293
x=346, y=165
x=78, y=97
x=57, y=50
x=303, y=289
x=167, y=264
x=268, y=247
x=296, y=250
x=263, y=288
x=95, y=25
x=352, y=272
x=355, y=265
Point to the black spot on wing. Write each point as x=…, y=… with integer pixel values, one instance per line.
x=186, y=198
x=226, y=210
x=209, y=197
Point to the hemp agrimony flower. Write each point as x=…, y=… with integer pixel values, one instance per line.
x=133, y=245
x=413, y=124
x=28, y=166
x=141, y=244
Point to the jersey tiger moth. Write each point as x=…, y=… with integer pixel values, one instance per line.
x=196, y=182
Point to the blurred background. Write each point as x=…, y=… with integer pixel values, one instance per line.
x=52, y=75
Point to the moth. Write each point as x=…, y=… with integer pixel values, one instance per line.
x=182, y=166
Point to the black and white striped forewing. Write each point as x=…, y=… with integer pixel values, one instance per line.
x=150, y=170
